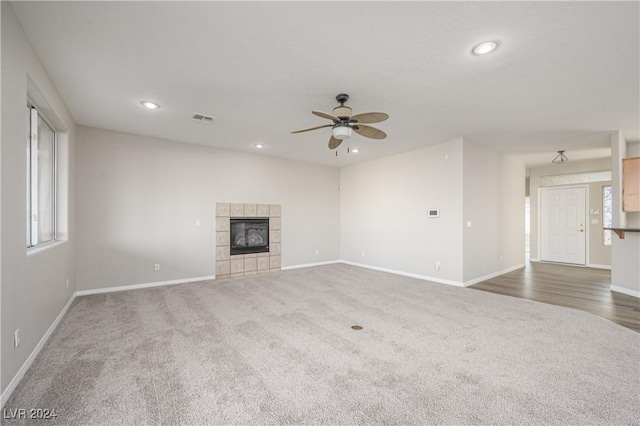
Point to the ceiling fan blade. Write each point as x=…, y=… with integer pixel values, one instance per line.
x=312, y=128
x=370, y=117
x=334, y=143
x=368, y=131
x=325, y=115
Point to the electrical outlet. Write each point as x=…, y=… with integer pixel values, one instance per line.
x=67, y=282
x=362, y=253
x=16, y=338
x=156, y=267
x=437, y=265
x=197, y=223
x=317, y=251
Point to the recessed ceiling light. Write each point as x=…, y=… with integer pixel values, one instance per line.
x=150, y=105
x=355, y=150
x=485, y=47
x=259, y=145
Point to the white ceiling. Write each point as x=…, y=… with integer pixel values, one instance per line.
x=565, y=75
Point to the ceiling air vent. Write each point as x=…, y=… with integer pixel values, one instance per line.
x=203, y=118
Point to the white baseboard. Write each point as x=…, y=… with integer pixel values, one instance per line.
x=492, y=275
x=626, y=291
x=20, y=374
x=533, y=259
x=309, y=265
x=597, y=266
x=406, y=274
x=145, y=285
x=437, y=280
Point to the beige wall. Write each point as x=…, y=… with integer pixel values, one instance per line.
x=139, y=199
x=598, y=254
x=384, y=207
x=34, y=287
x=384, y=212
x=494, y=196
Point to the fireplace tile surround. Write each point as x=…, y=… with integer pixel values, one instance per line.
x=228, y=266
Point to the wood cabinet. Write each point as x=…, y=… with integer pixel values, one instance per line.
x=631, y=184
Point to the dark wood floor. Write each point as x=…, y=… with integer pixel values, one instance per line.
x=574, y=287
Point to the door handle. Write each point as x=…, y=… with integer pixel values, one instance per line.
x=581, y=228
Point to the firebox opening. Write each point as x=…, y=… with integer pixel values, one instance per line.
x=249, y=235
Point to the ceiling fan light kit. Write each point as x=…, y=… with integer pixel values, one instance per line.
x=345, y=123
x=342, y=132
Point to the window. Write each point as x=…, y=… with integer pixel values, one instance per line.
x=527, y=225
x=41, y=179
x=607, y=213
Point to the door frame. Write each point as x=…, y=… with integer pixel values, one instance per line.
x=587, y=223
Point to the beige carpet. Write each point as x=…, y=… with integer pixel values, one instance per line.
x=279, y=349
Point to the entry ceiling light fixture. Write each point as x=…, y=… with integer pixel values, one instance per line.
x=259, y=145
x=560, y=158
x=485, y=47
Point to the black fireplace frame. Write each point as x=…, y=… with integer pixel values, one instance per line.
x=236, y=250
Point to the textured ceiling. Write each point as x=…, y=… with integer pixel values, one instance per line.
x=565, y=75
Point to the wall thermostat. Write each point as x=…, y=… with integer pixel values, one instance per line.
x=434, y=213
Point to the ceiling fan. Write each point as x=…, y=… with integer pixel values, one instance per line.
x=345, y=123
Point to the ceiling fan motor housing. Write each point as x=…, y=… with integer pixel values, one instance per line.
x=343, y=112
x=342, y=98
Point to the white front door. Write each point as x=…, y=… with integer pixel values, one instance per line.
x=562, y=225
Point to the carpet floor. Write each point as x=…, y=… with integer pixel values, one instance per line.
x=279, y=349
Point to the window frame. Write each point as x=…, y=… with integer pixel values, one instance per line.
x=34, y=114
x=606, y=233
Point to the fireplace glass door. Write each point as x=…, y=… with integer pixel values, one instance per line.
x=249, y=235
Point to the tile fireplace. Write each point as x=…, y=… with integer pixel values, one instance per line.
x=248, y=239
